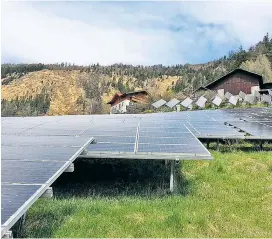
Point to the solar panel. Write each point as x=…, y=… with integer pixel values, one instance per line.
x=112, y=147
x=184, y=140
x=256, y=94
x=175, y=148
x=254, y=128
x=159, y=103
x=41, y=145
x=39, y=153
x=233, y=100
x=152, y=134
x=266, y=99
x=33, y=158
x=242, y=95
x=212, y=128
x=115, y=139
x=56, y=141
x=105, y=132
x=13, y=197
x=228, y=95
x=172, y=103
x=187, y=102
x=28, y=172
x=217, y=101
x=201, y=102
x=269, y=124
x=250, y=99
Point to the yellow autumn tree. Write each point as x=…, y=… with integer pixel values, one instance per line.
x=260, y=66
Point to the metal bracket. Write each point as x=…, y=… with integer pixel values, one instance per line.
x=84, y=152
x=70, y=169
x=48, y=193
x=8, y=235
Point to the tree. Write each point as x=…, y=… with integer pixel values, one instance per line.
x=261, y=66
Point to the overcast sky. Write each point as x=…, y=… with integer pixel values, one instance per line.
x=130, y=32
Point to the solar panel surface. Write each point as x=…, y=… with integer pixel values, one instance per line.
x=201, y=102
x=13, y=197
x=59, y=140
x=33, y=156
x=242, y=94
x=250, y=99
x=172, y=103
x=187, y=102
x=217, y=101
x=159, y=103
x=228, y=95
x=233, y=100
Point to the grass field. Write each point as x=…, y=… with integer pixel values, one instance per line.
x=230, y=196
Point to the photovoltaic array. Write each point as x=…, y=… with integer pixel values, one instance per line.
x=36, y=150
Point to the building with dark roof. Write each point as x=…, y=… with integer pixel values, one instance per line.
x=236, y=81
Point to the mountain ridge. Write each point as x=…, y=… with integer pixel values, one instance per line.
x=60, y=89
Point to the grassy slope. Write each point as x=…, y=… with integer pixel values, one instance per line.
x=230, y=196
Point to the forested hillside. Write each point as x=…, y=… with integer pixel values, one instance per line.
x=35, y=89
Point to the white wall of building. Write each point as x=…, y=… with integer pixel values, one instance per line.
x=120, y=107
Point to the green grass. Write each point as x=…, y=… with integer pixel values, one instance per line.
x=230, y=196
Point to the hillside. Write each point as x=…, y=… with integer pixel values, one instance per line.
x=59, y=89
x=72, y=92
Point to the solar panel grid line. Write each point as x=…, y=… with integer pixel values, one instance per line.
x=15, y=217
x=33, y=127
x=193, y=128
x=198, y=140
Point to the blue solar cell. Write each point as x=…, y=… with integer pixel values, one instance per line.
x=28, y=172
x=13, y=197
x=112, y=147
x=37, y=153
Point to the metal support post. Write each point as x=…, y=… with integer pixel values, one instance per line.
x=261, y=145
x=217, y=145
x=172, y=176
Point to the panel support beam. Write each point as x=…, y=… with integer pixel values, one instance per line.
x=48, y=193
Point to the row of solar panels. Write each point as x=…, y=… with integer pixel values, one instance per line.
x=218, y=100
x=36, y=150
